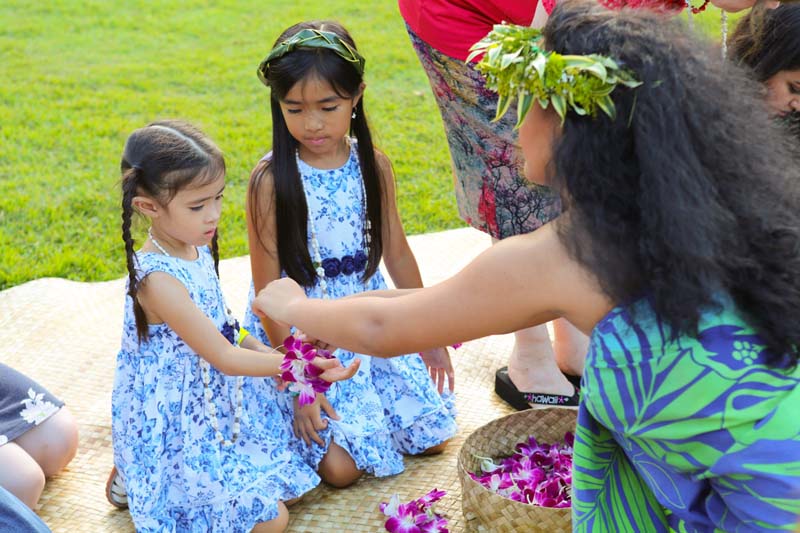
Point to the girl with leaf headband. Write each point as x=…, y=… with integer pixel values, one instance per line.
x=678, y=252
x=321, y=211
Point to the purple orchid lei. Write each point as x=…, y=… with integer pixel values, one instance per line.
x=297, y=369
x=538, y=474
x=416, y=516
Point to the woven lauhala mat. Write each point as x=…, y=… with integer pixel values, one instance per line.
x=66, y=334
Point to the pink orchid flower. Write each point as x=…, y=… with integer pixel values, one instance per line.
x=416, y=516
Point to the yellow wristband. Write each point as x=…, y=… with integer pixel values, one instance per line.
x=242, y=334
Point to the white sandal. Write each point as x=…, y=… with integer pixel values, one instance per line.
x=115, y=490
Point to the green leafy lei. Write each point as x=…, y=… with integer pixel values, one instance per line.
x=515, y=66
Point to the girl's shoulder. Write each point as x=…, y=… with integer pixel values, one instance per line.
x=182, y=269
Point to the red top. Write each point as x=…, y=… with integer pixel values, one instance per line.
x=452, y=26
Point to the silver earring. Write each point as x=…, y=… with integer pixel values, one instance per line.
x=354, y=113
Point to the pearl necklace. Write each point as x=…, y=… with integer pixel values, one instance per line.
x=724, y=30
x=317, y=256
x=205, y=370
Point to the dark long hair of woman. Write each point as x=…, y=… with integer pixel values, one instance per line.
x=691, y=192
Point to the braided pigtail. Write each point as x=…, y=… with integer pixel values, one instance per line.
x=215, y=251
x=129, y=188
x=158, y=161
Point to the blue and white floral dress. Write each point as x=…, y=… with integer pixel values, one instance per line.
x=179, y=477
x=391, y=406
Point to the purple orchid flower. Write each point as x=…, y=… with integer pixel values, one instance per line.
x=433, y=496
x=538, y=473
x=416, y=516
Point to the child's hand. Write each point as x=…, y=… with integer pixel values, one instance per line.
x=333, y=369
x=308, y=419
x=439, y=365
x=274, y=299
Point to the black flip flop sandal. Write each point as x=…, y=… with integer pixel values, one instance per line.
x=505, y=388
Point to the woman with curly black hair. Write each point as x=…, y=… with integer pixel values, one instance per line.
x=678, y=252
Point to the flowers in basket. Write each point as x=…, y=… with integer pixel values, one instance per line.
x=416, y=516
x=538, y=474
x=298, y=370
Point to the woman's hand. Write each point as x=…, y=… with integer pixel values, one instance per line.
x=273, y=301
x=439, y=366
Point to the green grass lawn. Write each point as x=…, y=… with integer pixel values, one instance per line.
x=78, y=77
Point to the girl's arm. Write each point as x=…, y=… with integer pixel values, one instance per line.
x=264, y=263
x=397, y=254
x=520, y=282
x=403, y=268
x=165, y=299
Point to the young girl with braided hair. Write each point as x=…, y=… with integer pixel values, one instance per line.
x=322, y=211
x=196, y=443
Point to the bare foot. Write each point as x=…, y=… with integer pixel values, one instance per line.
x=532, y=366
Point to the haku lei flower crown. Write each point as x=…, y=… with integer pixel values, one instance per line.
x=313, y=38
x=515, y=65
x=298, y=370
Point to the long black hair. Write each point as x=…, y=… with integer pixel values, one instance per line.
x=768, y=43
x=158, y=161
x=291, y=209
x=771, y=43
x=691, y=191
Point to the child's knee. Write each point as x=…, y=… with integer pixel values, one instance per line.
x=435, y=450
x=26, y=483
x=62, y=445
x=337, y=468
x=277, y=524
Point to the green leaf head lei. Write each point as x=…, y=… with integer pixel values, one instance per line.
x=313, y=38
x=515, y=65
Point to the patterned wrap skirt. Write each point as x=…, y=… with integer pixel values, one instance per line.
x=491, y=191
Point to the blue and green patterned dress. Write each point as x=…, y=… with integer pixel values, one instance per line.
x=687, y=434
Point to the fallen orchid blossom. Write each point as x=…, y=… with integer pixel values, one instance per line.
x=416, y=516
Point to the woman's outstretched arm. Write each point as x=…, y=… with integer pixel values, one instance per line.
x=520, y=282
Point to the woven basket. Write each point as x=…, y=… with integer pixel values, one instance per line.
x=486, y=511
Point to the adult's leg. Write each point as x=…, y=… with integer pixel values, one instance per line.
x=570, y=346
x=532, y=365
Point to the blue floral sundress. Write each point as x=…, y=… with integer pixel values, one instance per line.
x=391, y=406
x=178, y=476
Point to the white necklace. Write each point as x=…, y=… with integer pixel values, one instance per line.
x=724, y=30
x=205, y=371
x=317, y=256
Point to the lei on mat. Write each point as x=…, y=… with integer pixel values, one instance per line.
x=515, y=66
x=416, y=516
